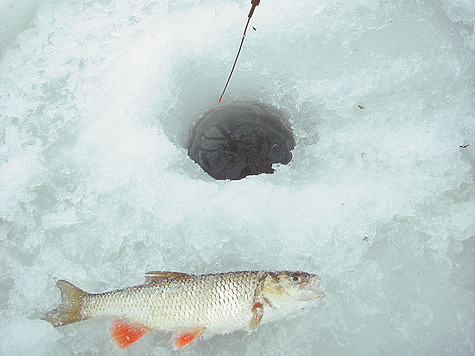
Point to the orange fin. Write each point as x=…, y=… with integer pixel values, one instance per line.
x=154, y=275
x=125, y=333
x=257, y=314
x=184, y=338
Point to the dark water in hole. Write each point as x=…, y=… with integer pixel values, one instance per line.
x=241, y=139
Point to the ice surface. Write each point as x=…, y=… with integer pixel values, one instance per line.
x=96, y=100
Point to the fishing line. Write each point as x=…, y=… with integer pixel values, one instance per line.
x=251, y=12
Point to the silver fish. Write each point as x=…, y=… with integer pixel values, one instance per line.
x=190, y=305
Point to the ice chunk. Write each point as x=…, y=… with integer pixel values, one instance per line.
x=23, y=336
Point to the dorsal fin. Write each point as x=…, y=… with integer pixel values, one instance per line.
x=156, y=275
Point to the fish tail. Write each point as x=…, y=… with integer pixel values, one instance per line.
x=70, y=309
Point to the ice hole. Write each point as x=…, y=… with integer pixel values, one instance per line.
x=241, y=139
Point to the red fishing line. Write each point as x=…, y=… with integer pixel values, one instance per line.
x=251, y=12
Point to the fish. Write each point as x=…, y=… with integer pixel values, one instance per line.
x=190, y=305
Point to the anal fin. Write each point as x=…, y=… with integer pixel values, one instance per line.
x=182, y=339
x=125, y=332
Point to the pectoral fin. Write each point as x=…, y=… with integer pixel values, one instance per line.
x=125, y=332
x=257, y=313
x=184, y=338
x=155, y=275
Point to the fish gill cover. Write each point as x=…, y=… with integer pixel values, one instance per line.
x=96, y=186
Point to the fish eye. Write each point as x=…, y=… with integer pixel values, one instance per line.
x=296, y=279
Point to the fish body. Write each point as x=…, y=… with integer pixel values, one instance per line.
x=189, y=305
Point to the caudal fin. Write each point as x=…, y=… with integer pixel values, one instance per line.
x=70, y=309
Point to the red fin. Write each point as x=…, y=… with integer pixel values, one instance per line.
x=184, y=338
x=125, y=333
x=257, y=313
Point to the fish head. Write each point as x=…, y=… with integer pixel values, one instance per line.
x=288, y=291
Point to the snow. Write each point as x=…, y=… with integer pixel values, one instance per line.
x=96, y=102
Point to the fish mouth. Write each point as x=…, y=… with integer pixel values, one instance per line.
x=310, y=294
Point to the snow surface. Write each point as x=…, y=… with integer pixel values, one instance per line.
x=96, y=101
